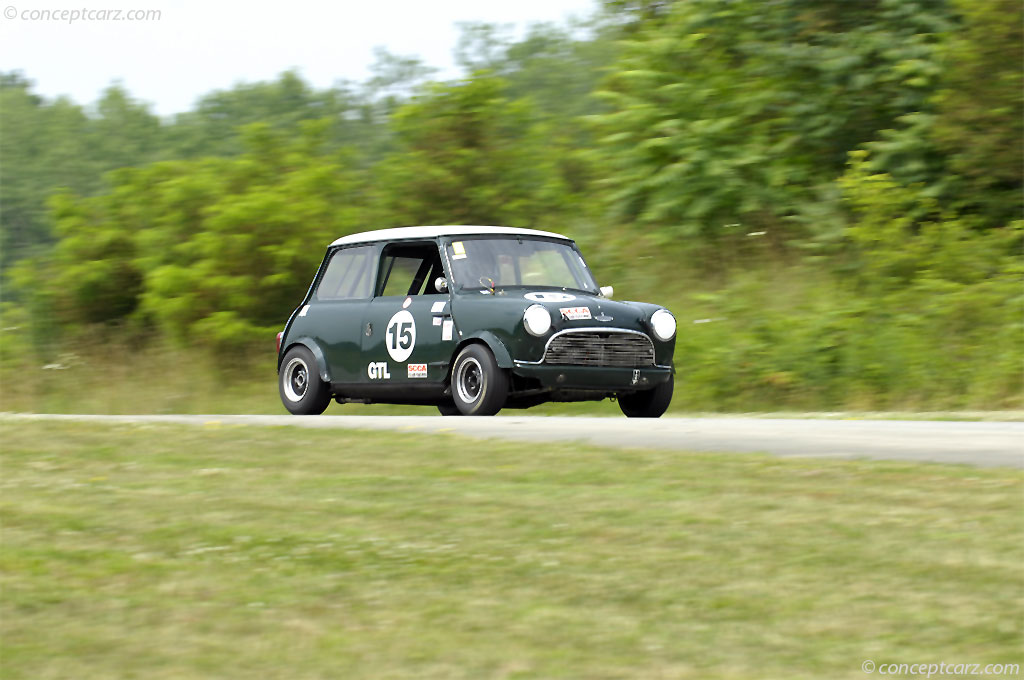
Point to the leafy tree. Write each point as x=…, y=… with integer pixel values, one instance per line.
x=903, y=234
x=47, y=146
x=466, y=154
x=212, y=129
x=556, y=68
x=980, y=120
x=42, y=145
x=212, y=250
x=742, y=113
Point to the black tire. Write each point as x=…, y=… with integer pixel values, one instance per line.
x=649, y=403
x=479, y=387
x=298, y=381
x=449, y=409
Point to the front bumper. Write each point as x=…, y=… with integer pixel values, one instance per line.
x=556, y=376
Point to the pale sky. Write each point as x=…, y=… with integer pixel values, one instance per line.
x=194, y=47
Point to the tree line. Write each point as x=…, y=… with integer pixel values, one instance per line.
x=879, y=141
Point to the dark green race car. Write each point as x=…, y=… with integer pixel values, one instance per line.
x=470, y=319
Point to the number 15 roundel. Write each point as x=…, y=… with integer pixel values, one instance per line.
x=400, y=337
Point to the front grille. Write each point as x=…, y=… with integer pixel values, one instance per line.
x=601, y=348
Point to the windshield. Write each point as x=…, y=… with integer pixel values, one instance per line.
x=493, y=263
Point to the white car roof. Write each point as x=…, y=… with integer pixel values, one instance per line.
x=400, y=233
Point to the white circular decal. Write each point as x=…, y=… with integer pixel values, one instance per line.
x=550, y=297
x=400, y=337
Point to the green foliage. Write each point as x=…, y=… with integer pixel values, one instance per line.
x=903, y=235
x=52, y=145
x=967, y=149
x=556, y=68
x=355, y=112
x=213, y=251
x=49, y=146
x=931, y=314
x=466, y=154
x=883, y=139
x=815, y=345
x=738, y=113
x=980, y=119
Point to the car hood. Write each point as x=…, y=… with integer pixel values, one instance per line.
x=568, y=309
x=590, y=311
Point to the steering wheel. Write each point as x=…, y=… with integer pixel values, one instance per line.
x=487, y=282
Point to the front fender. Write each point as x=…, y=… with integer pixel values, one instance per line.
x=494, y=344
x=318, y=354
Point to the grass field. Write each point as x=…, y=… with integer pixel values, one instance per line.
x=154, y=551
x=165, y=381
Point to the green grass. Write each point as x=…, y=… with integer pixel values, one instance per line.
x=163, y=380
x=155, y=551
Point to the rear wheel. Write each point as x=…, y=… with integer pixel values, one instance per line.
x=649, y=403
x=302, y=391
x=479, y=386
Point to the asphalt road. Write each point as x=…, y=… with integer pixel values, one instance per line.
x=986, y=444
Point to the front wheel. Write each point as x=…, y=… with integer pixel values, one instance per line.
x=479, y=386
x=449, y=409
x=649, y=403
x=302, y=391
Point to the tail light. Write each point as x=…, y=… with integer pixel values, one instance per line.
x=279, y=335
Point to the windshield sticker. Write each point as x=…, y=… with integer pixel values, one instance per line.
x=438, y=306
x=437, y=321
x=400, y=337
x=550, y=297
x=417, y=370
x=459, y=250
x=446, y=329
x=575, y=313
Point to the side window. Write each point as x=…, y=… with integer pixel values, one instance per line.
x=349, y=275
x=409, y=269
x=401, y=273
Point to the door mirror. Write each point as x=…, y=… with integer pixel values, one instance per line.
x=607, y=291
x=441, y=284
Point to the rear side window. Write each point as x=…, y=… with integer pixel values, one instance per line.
x=349, y=275
x=409, y=269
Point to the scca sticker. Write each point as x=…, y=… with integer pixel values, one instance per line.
x=400, y=338
x=575, y=313
x=417, y=370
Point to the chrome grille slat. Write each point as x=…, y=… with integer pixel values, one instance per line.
x=600, y=348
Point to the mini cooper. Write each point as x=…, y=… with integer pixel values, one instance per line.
x=471, y=320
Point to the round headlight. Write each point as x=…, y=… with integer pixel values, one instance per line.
x=664, y=324
x=537, y=320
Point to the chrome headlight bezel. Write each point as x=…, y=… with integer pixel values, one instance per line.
x=537, y=320
x=663, y=324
